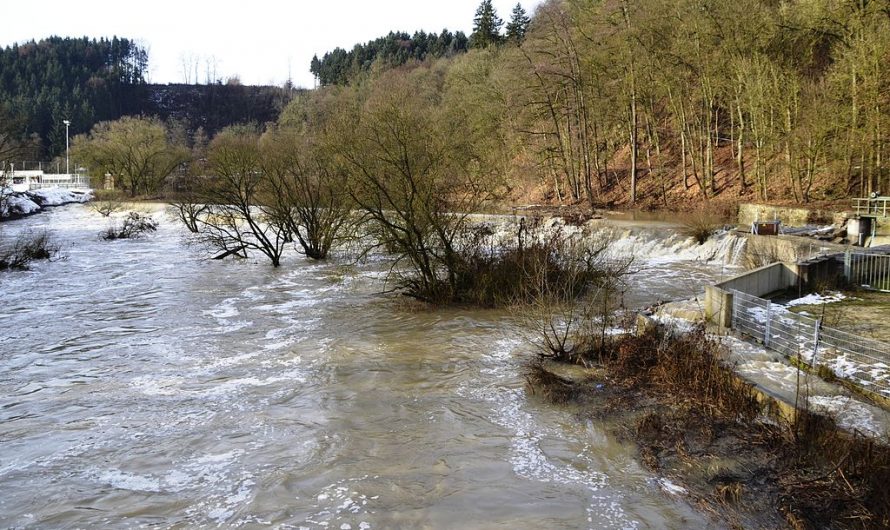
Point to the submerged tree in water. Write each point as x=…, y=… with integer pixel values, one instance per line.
x=304, y=193
x=415, y=182
x=236, y=218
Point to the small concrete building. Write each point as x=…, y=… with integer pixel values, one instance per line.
x=870, y=226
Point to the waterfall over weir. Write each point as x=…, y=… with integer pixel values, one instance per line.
x=667, y=264
x=649, y=242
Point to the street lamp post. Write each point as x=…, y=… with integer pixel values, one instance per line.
x=67, y=169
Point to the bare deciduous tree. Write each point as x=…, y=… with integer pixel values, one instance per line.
x=136, y=151
x=235, y=219
x=304, y=192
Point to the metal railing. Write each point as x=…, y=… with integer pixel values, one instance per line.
x=879, y=206
x=37, y=180
x=869, y=270
x=60, y=181
x=861, y=361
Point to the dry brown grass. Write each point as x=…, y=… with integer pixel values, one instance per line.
x=685, y=368
x=702, y=223
x=552, y=387
x=836, y=476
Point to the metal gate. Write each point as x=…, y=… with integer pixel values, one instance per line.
x=868, y=270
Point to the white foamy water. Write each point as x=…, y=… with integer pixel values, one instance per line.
x=665, y=264
x=143, y=385
x=767, y=368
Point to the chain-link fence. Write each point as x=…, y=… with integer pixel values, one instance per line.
x=859, y=360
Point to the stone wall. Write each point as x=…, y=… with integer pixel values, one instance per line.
x=750, y=212
x=763, y=250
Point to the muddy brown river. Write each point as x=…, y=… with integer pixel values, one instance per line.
x=144, y=386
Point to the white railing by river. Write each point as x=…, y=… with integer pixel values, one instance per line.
x=61, y=181
x=37, y=179
x=876, y=206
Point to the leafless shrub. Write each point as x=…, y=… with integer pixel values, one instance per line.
x=134, y=226
x=529, y=265
x=572, y=302
x=107, y=203
x=28, y=247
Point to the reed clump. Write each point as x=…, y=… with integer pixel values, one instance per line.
x=701, y=224
x=685, y=367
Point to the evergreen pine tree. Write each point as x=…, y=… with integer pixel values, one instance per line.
x=486, y=26
x=518, y=25
x=315, y=68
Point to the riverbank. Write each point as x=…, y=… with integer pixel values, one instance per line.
x=15, y=204
x=720, y=444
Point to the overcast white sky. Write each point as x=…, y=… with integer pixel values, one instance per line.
x=258, y=40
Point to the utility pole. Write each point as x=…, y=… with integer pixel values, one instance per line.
x=67, y=167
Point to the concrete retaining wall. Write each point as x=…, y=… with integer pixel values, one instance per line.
x=804, y=275
x=758, y=282
x=789, y=248
x=763, y=280
x=749, y=212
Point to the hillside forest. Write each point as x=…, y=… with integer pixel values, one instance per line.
x=87, y=81
x=647, y=103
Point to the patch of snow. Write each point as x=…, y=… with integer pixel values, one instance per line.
x=59, y=196
x=28, y=202
x=809, y=230
x=680, y=324
x=762, y=366
x=18, y=205
x=849, y=413
x=816, y=299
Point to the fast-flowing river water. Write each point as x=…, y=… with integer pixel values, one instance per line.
x=142, y=385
